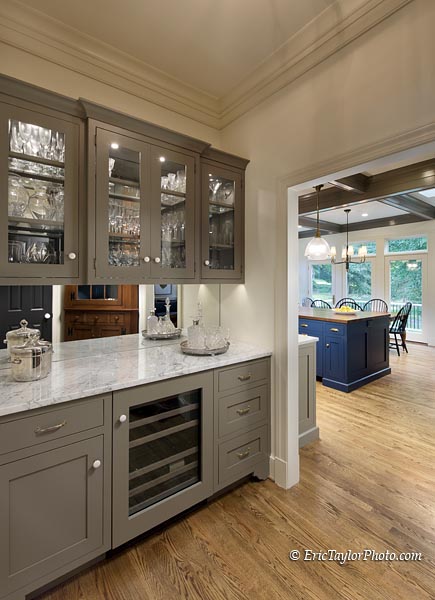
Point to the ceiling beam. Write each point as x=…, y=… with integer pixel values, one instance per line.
x=358, y=183
x=411, y=205
x=411, y=178
x=324, y=225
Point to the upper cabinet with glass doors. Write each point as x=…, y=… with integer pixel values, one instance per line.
x=144, y=210
x=222, y=217
x=39, y=199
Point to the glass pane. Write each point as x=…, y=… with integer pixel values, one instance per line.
x=359, y=282
x=321, y=282
x=406, y=286
x=35, y=194
x=371, y=247
x=83, y=292
x=98, y=292
x=221, y=194
x=124, y=206
x=111, y=292
x=164, y=456
x=173, y=214
x=407, y=244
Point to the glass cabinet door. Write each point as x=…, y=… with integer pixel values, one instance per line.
x=173, y=216
x=222, y=224
x=39, y=199
x=122, y=208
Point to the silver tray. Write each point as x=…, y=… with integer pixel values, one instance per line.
x=203, y=351
x=161, y=336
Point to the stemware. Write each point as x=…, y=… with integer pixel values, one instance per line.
x=16, y=142
x=45, y=139
x=25, y=130
x=39, y=205
x=111, y=166
x=214, y=186
x=171, y=181
x=35, y=143
x=60, y=146
x=17, y=197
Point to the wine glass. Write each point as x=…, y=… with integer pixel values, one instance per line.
x=45, y=139
x=16, y=142
x=25, y=130
x=35, y=143
x=60, y=146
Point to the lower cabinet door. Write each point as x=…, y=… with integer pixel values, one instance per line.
x=51, y=512
x=334, y=364
x=162, y=452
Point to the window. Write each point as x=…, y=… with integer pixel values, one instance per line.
x=411, y=244
x=359, y=281
x=321, y=281
x=371, y=247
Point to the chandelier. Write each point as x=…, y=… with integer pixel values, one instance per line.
x=347, y=253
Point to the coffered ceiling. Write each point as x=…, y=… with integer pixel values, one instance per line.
x=211, y=60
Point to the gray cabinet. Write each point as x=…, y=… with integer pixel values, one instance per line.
x=242, y=422
x=40, y=186
x=54, y=494
x=163, y=452
x=308, y=430
x=222, y=221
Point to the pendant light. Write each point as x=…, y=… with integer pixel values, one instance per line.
x=348, y=250
x=318, y=247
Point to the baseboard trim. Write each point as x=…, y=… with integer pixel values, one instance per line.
x=309, y=436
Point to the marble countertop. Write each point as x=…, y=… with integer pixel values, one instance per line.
x=86, y=368
x=304, y=340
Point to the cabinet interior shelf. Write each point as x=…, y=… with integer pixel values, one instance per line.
x=36, y=224
x=222, y=246
x=36, y=159
x=173, y=193
x=162, y=463
x=163, y=415
x=169, y=492
x=124, y=197
x=128, y=182
x=171, y=244
x=165, y=433
x=37, y=176
x=127, y=236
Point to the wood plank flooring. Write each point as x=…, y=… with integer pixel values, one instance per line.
x=368, y=483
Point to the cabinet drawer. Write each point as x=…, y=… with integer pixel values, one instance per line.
x=242, y=411
x=51, y=425
x=242, y=375
x=334, y=328
x=239, y=456
x=117, y=318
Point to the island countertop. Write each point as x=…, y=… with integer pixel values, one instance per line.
x=86, y=368
x=327, y=314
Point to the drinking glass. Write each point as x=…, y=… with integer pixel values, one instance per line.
x=39, y=205
x=16, y=142
x=171, y=181
x=45, y=139
x=111, y=166
x=25, y=130
x=35, y=142
x=60, y=146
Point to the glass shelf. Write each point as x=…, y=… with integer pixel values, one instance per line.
x=36, y=224
x=36, y=159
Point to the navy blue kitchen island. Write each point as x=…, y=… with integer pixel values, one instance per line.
x=352, y=349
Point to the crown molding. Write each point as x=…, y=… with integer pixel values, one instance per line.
x=32, y=31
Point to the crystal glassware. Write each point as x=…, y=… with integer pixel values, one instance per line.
x=39, y=205
x=16, y=141
x=45, y=139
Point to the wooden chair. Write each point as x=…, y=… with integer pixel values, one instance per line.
x=398, y=327
x=376, y=305
x=307, y=302
x=350, y=302
x=320, y=304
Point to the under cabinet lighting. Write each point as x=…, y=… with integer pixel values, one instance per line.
x=162, y=159
x=365, y=215
x=114, y=145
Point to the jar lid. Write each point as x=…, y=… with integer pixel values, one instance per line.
x=22, y=332
x=32, y=347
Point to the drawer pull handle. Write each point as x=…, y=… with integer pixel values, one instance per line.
x=244, y=454
x=245, y=377
x=39, y=430
x=334, y=329
x=304, y=325
x=243, y=411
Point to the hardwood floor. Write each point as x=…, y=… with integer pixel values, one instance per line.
x=368, y=483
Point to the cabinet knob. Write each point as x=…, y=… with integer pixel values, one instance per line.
x=207, y=263
x=327, y=345
x=47, y=316
x=146, y=259
x=72, y=255
x=96, y=464
x=116, y=317
x=157, y=259
x=122, y=418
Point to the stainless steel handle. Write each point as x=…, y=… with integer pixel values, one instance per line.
x=72, y=255
x=96, y=464
x=244, y=377
x=304, y=325
x=122, y=418
x=207, y=263
x=327, y=345
x=334, y=329
x=243, y=411
x=146, y=259
x=241, y=455
x=50, y=429
x=157, y=259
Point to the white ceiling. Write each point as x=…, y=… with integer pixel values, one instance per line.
x=374, y=209
x=209, y=44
